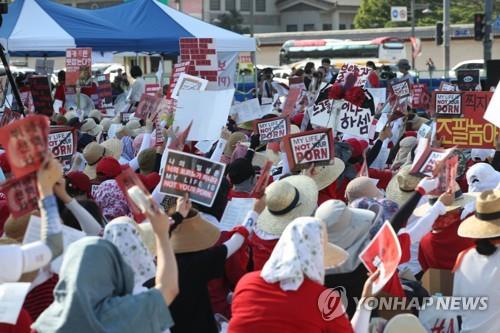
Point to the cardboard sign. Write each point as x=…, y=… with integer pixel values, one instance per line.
x=420, y=96
x=492, y=115
x=383, y=253
x=446, y=173
x=246, y=111
x=22, y=194
x=62, y=143
x=79, y=67
x=426, y=161
x=40, y=92
x=360, y=71
x=468, y=79
x=353, y=119
x=272, y=129
x=446, y=86
x=202, y=53
x=469, y=129
x=127, y=179
x=152, y=89
x=9, y=116
x=321, y=113
x=198, y=176
x=147, y=106
x=447, y=103
x=105, y=92
x=293, y=96
x=188, y=82
x=178, y=69
x=305, y=148
x=401, y=89
x=25, y=142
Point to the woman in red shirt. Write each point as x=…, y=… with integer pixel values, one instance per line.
x=284, y=296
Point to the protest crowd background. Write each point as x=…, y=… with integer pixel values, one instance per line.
x=301, y=208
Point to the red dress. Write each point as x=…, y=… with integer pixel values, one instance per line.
x=265, y=308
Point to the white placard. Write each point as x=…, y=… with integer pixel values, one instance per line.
x=492, y=114
x=353, y=120
x=247, y=111
x=321, y=114
x=379, y=97
x=188, y=82
x=12, y=297
x=236, y=211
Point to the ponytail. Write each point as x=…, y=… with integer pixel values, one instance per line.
x=486, y=247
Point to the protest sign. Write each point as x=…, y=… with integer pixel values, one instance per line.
x=426, y=160
x=27, y=100
x=261, y=184
x=401, y=89
x=469, y=129
x=382, y=253
x=178, y=69
x=21, y=194
x=492, y=115
x=40, y=92
x=12, y=297
x=272, y=129
x=79, y=67
x=353, y=119
x=420, y=96
x=62, y=143
x=291, y=100
x=235, y=212
x=360, y=71
x=147, y=106
x=447, y=103
x=25, y=142
x=188, y=82
x=152, y=89
x=105, y=92
x=446, y=173
x=468, y=79
x=321, y=113
x=197, y=176
x=207, y=110
x=305, y=148
x=126, y=180
x=379, y=97
x=203, y=55
x=125, y=117
x=446, y=86
x=44, y=66
x=159, y=138
x=9, y=116
x=246, y=111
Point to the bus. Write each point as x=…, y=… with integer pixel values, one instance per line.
x=382, y=51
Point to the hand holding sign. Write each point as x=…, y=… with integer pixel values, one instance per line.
x=48, y=175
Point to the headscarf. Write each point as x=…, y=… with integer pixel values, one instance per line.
x=111, y=200
x=128, y=152
x=94, y=295
x=481, y=154
x=124, y=235
x=482, y=177
x=298, y=253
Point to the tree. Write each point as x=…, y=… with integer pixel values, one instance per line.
x=233, y=21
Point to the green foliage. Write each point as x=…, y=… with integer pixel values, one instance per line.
x=232, y=21
x=376, y=13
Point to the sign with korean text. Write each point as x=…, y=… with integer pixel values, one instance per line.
x=291, y=100
x=25, y=142
x=360, y=71
x=272, y=129
x=353, y=119
x=152, y=89
x=62, y=144
x=420, y=97
x=79, y=67
x=105, y=92
x=40, y=93
x=178, y=69
x=426, y=161
x=202, y=53
x=22, y=194
x=447, y=104
x=305, y=148
x=188, y=82
x=147, y=106
x=468, y=129
x=468, y=79
x=9, y=116
x=321, y=113
x=197, y=176
x=401, y=89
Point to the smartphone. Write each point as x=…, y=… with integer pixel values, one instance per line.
x=141, y=200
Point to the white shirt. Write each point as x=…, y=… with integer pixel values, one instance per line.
x=479, y=275
x=136, y=91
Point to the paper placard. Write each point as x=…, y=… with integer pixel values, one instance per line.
x=492, y=115
x=247, y=111
x=178, y=69
x=379, y=97
x=22, y=195
x=447, y=104
x=420, y=96
x=383, y=253
x=401, y=89
x=40, y=93
x=197, y=176
x=235, y=212
x=446, y=86
x=79, y=66
x=291, y=100
x=12, y=297
x=272, y=129
x=305, y=148
x=147, y=106
x=353, y=119
x=188, y=82
x=321, y=114
x=425, y=163
x=361, y=72
x=62, y=143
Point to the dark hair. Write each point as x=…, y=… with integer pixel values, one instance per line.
x=71, y=221
x=371, y=64
x=309, y=67
x=136, y=72
x=325, y=61
x=61, y=76
x=486, y=246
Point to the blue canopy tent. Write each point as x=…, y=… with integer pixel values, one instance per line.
x=46, y=28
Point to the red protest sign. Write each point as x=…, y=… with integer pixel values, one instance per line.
x=147, y=106
x=105, y=93
x=468, y=129
x=202, y=53
x=383, y=253
x=79, y=67
x=152, y=89
x=420, y=96
x=25, y=142
x=22, y=194
x=305, y=148
x=361, y=73
x=425, y=163
x=446, y=173
x=127, y=179
x=293, y=95
x=40, y=93
x=176, y=73
x=260, y=186
x=272, y=129
x=9, y=116
x=62, y=144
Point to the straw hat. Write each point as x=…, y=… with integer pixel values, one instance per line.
x=70, y=115
x=286, y=200
x=96, y=114
x=486, y=222
x=114, y=147
x=134, y=127
x=461, y=199
x=194, y=234
x=233, y=140
x=402, y=186
x=325, y=175
x=106, y=124
x=362, y=187
x=406, y=323
x=93, y=153
x=89, y=126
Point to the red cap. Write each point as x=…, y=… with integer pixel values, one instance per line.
x=79, y=181
x=357, y=146
x=108, y=167
x=410, y=133
x=297, y=119
x=150, y=181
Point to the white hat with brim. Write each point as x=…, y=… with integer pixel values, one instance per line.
x=459, y=202
x=334, y=255
x=486, y=221
x=90, y=127
x=325, y=175
x=404, y=323
x=286, y=200
x=114, y=146
x=402, y=186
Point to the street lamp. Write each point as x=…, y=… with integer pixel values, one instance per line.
x=425, y=10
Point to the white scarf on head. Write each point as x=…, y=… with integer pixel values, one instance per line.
x=482, y=177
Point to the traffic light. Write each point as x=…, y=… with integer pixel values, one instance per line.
x=478, y=27
x=439, y=33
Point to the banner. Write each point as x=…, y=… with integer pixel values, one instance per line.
x=62, y=143
x=360, y=71
x=203, y=55
x=420, y=96
x=305, y=148
x=40, y=93
x=22, y=194
x=272, y=129
x=468, y=79
x=353, y=119
x=468, y=129
x=79, y=67
x=197, y=176
x=147, y=106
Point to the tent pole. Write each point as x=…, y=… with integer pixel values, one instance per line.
x=11, y=80
x=255, y=80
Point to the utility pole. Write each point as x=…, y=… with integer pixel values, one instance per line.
x=487, y=41
x=252, y=17
x=412, y=10
x=446, y=33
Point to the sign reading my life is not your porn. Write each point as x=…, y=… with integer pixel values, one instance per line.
x=62, y=143
x=272, y=129
x=305, y=148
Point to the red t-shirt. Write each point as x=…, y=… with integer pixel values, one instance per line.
x=262, y=307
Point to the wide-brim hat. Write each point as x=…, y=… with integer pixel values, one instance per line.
x=89, y=126
x=286, y=200
x=93, y=153
x=194, y=234
x=406, y=323
x=402, y=186
x=114, y=146
x=459, y=202
x=486, y=221
x=325, y=175
x=334, y=255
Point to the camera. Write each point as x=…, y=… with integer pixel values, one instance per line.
x=386, y=73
